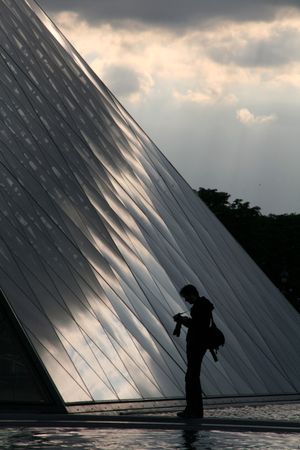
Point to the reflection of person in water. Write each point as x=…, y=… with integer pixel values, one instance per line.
x=196, y=346
x=190, y=438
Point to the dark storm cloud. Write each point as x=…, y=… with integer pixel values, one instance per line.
x=281, y=47
x=169, y=12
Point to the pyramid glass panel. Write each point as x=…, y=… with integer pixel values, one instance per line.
x=98, y=232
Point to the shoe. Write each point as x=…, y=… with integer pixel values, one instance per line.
x=190, y=415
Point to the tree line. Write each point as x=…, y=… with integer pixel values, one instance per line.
x=272, y=241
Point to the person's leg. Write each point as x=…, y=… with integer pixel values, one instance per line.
x=194, y=403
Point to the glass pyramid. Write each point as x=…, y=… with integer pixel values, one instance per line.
x=18, y=368
x=98, y=233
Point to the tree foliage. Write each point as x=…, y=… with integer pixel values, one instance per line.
x=273, y=241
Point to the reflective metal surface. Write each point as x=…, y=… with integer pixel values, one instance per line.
x=99, y=231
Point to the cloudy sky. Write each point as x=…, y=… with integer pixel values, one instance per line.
x=215, y=83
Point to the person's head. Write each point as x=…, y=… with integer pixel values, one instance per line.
x=189, y=293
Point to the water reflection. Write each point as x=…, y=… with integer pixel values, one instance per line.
x=208, y=440
x=53, y=439
x=121, y=439
x=189, y=438
x=220, y=440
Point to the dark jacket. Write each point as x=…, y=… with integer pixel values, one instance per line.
x=199, y=323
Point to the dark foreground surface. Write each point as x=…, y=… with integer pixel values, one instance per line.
x=132, y=439
x=228, y=428
x=147, y=422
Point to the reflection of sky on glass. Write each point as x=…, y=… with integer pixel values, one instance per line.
x=217, y=88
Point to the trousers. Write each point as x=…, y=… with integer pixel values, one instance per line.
x=193, y=390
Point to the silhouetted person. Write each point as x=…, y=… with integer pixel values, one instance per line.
x=196, y=346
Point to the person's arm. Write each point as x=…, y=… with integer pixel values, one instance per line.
x=186, y=321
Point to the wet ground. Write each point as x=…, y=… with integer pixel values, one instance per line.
x=277, y=411
x=84, y=439
x=161, y=431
